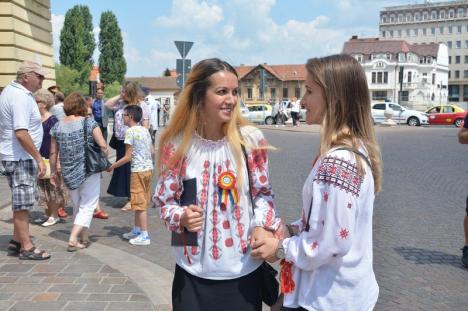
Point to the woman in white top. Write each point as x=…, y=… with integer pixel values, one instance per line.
x=328, y=265
x=204, y=141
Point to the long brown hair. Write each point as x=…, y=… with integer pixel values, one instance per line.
x=348, y=120
x=130, y=90
x=186, y=117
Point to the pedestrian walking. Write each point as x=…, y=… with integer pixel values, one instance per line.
x=328, y=265
x=100, y=112
x=68, y=139
x=463, y=139
x=201, y=149
x=20, y=140
x=295, y=111
x=119, y=185
x=52, y=197
x=152, y=107
x=139, y=152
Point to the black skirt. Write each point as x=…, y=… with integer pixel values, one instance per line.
x=191, y=293
x=119, y=185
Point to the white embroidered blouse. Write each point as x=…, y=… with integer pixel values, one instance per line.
x=332, y=262
x=223, y=251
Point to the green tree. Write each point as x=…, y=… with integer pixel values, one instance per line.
x=69, y=80
x=112, y=64
x=167, y=72
x=112, y=89
x=77, y=41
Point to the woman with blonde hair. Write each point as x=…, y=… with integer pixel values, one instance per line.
x=54, y=197
x=203, y=145
x=119, y=185
x=328, y=264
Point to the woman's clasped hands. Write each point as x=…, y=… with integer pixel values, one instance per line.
x=192, y=218
x=264, y=245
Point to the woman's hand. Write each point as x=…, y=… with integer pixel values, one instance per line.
x=265, y=249
x=192, y=218
x=259, y=233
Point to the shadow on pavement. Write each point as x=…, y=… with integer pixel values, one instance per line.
x=421, y=256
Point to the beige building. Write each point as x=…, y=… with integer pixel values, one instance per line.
x=278, y=81
x=26, y=34
x=439, y=22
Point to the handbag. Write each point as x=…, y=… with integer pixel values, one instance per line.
x=95, y=160
x=113, y=141
x=269, y=284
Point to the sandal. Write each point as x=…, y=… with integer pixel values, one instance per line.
x=127, y=207
x=14, y=248
x=101, y=215
x=74, y=246
x=61, y=212
x=33, y=254
x=85, y=243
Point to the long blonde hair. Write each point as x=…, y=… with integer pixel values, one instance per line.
x=187, y=115
x=348, y=120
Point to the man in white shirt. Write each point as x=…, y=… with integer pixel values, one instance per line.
x=20, y=140
x=57, y=109
x=153, y=106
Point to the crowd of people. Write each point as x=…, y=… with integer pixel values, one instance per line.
x=213, y=190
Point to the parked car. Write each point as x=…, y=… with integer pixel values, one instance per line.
x=244, y=110
x=401, y=115
x=260, y=113
x=446, y=115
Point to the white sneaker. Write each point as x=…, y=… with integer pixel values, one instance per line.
x=50, y=222
x=140, y=240
x=130, y=235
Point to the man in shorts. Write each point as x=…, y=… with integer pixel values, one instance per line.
x=20, y=141
x=463, y=139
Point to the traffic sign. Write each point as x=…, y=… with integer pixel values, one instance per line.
x=183, y=47
x=183, y=65
x=180, y=80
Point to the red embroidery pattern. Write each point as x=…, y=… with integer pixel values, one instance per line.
x=325, y=196
x=344, y=233
x=339, y=173
x=314, y=245
x=350, y=205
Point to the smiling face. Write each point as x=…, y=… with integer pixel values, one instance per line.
x=220, y=99
x=314, y=102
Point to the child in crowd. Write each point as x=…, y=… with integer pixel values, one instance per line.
x=138, y=151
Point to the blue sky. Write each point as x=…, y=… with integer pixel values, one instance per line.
x=240, y=31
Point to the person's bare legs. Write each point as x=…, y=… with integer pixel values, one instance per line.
x=21, y=229
x=73, y=239
x=141, y=220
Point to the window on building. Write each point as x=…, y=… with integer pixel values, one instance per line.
x=433, y=79
x=424, y=31
x=379, y=77
x=401, y=57
x=465, y=92
x=409, y=77
x=466, y=30
x=466, y=44
x=379, y=95
x=384, y=19
x=441, y=30
x=465, y=74
x=450, y=60
x=459, y=28
x=425, y=15
x=417, y=16
x=408, y=17
x=466, y=59
x=392, y=18
x=457, y=74
x=442, y=14
x=400, y=17
x=285, y=92
x=458, y=44
x=404, y=96
x=449, y=74
x=416, y=31
x=433, y=31
x=391, y=33
x=383, y=34
x=451, y=13
x=454, y=93
x=449, y=44
x=249, y=93
x=297, y=92
x=457, y=59
x=460, y=12
x=433, y=15
x=359, y=57
x=449, y=30
x=399, y=32
x=273, y=92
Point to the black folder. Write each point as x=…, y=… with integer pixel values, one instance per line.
x=188, y=196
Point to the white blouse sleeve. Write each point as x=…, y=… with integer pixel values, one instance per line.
x=262, y=192
x=168, y=191
x=336, y=188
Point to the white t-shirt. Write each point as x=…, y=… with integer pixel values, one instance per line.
x=139, y=138
x=152, y=105
x=296, y=106
x=18, y=110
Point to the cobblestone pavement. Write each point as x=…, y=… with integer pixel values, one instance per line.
x=417, y=219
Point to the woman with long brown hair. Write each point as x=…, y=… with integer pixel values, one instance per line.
x=119, y=185
x=204, y=144
x=328, y=264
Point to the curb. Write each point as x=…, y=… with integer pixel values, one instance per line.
x=154, y=280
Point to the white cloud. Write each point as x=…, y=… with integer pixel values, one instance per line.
x=57, y=25
x=191, y=14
